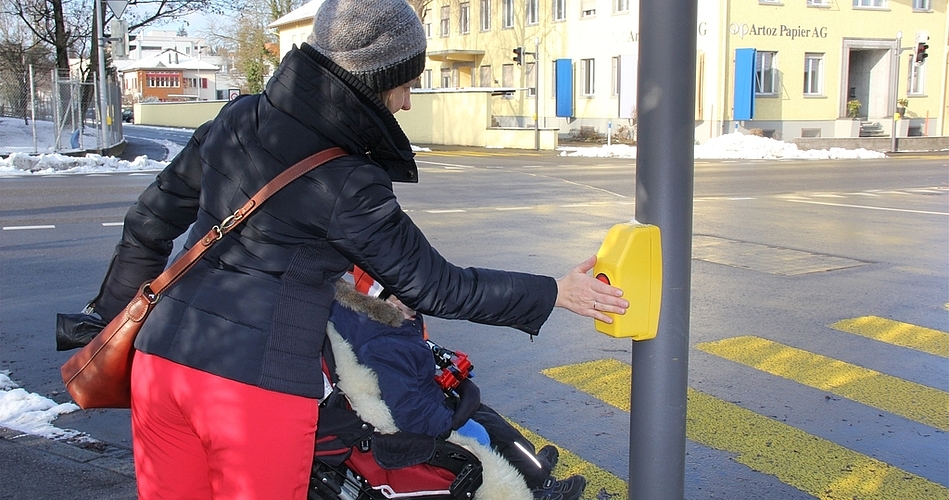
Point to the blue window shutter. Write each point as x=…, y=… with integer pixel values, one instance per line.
x=564, y=88
x=744, y=84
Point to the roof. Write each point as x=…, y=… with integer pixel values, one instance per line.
x=305, y=12
x=167, y=59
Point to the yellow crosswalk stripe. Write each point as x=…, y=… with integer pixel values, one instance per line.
x=915, y=337
x=814, y=465
x=895, y=395
x=600, y=482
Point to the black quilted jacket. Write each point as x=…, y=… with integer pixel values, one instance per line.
x=255, y=308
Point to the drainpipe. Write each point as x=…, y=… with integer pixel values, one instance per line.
x=896, y=87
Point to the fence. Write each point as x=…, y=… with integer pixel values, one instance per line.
x=64, y=113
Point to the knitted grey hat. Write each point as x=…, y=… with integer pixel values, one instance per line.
x=381, y=42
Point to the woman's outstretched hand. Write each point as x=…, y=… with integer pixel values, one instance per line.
x=585, y=295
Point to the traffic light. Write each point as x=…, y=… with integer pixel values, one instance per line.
x=921, y=54
x=519, y=55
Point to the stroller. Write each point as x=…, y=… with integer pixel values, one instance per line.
x=353, y=461
x=361, y=455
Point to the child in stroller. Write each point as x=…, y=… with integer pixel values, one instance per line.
x=386, y=337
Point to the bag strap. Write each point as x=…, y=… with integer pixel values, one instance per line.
x=152, y=290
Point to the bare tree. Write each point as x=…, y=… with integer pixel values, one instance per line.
x=64, y=27
x=64, y=24
x=18, y=53
x=420, y=6
x=251, y=43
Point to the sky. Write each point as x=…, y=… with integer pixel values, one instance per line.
x=32, y=413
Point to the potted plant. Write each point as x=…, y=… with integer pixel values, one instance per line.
x=901, y=105
x=853, y=108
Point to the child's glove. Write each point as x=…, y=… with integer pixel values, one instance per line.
x=475, y=430
x=467, y=403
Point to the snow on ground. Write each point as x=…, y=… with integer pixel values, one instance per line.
x=31, y=413
x=733, y=146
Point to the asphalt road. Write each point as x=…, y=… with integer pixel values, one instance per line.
x=818, y=317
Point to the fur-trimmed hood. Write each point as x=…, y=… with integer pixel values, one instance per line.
x=360, y=384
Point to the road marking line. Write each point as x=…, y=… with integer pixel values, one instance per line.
x=513, y=208
x=598, y=480
x=868, y=208
x=920, y=338
x=446, y=211
x=17, y=228
x=908, y=399
x=811, y=464
x=110, y=224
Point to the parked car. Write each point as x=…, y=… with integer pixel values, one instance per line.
x=128, y=115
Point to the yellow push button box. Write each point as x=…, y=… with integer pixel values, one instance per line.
x=631, y=259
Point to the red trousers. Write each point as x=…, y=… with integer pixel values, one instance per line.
x=199, y=436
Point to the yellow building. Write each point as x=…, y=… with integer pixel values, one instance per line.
x=788, y=68
x=812, y=58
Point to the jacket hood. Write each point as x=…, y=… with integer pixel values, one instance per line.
x=329, y=100
x=377, y=309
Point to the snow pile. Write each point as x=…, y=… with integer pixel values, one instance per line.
x=732, y=146
x=23, y=163
x=31, y=413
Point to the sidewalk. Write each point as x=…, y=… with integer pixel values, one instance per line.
x=32, y=467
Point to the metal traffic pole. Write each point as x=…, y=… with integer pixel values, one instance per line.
x=664, y=189
x=896, y=87
x=537, y=93
x=103, y=88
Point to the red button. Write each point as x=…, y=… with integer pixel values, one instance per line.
x=602, y=277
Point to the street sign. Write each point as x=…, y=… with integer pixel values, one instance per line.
x=117, y=7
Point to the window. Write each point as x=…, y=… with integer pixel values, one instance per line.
x=426, y=23
x=587, y=86
x=531, y=78
x=559, y=10
x=485, y=77
x=765, y=74
x=813, y=74
x=818, y=3
x=530, y=14
x=926, y=5
x=507, y=13
x=507, y=75
x=620, y=6
x=587, y=8
x=463, y=18
x=163, y=81
x=446, y=78
x=614, y=86
x=870, y=3
x=427, y=79
x=446, y=21
x=485, y=15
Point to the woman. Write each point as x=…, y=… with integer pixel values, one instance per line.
x=226, y=376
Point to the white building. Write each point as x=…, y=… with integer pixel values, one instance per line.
x=168, y=76
x=154, y=42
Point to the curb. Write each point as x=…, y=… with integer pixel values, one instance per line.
x=96, y=453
